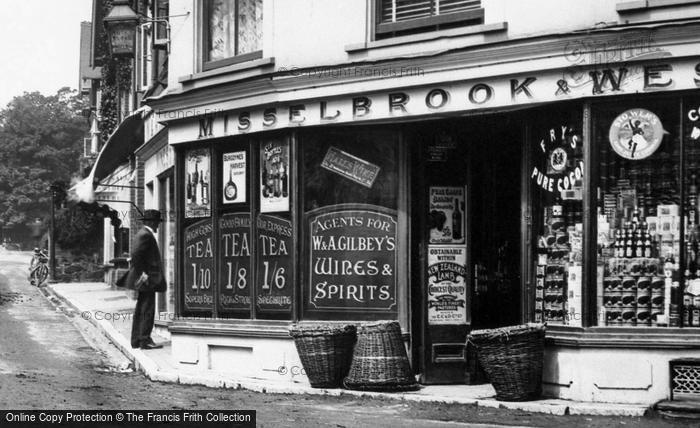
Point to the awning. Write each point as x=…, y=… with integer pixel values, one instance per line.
x=119, y=146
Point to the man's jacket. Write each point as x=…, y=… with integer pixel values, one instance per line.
x=145, y=257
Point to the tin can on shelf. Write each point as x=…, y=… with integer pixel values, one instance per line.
x=629, y=315
x=643, y=315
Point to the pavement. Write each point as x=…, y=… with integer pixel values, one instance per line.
x=109, y=309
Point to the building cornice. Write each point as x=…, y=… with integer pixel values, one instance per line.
x=531, y=55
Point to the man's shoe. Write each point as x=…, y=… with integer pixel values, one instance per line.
x=150, y=346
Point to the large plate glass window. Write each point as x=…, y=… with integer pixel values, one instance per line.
x=556, y=174
x=639, y=213
x=350, y=194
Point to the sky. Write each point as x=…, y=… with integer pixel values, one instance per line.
x=40, y=45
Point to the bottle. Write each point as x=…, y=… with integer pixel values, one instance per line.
x=647, y=245
x=230, y=190
x=619, y=252
x=195, y=180
x=456, y=221
x=278, y=183
x=629, y=245
x=263, y=181
x=205, y=188
x=284, y=180
x=639, y=244
x=189, y=188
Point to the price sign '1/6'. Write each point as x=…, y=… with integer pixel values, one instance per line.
x=274, y=263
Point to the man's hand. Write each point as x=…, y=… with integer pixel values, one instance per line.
x=143, y=277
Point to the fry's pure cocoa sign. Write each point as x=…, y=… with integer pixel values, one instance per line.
x=447, y=287
x=352, y=260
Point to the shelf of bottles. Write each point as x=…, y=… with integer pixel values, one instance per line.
x=639, y=241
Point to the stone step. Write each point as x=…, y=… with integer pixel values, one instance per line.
x=679, y=409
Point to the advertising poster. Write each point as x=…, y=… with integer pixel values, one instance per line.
x=447, y=287
x=274, y=176
x=234, y=177
x=446, y=217
x=353, y=261
x=197, y=183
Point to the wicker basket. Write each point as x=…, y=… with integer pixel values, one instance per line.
x=512, y=358
x=379, y=362
x=325, y=352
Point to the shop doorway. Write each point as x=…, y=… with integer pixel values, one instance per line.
x=466, y=232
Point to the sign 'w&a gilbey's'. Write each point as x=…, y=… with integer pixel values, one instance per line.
x=461, y=96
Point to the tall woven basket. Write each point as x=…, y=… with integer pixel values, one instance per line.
x=380, y=362
x=512, y=358
x=325, y=352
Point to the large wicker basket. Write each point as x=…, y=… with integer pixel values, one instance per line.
x=512, y=358
x=380, y=362
x=325, y=352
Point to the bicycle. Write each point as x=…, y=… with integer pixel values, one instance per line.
x=38, y=268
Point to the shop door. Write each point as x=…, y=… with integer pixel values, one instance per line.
x=440, y=233
x=467, y=241
x=495, y=198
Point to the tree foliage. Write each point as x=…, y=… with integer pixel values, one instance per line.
x=40, y=143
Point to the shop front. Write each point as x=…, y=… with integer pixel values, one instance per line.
x=551, y=196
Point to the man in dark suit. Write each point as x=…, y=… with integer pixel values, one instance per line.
x=145, y=276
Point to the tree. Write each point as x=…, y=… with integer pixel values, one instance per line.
x=40, y=142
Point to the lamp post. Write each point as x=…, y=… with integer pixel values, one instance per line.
x=54, y=188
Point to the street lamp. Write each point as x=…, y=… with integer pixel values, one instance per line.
x=121, y=23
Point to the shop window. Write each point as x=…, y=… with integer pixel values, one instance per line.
x=556, y=176
x=232, y=31
x=401, y=17
x=640, y=214
x=350, y=200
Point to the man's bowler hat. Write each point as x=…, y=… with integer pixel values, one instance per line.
x=151, y=215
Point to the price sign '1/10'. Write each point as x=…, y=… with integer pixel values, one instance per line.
x=276, y=276
x=201, y=277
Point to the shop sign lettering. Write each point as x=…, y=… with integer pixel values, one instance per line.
x=349, y=166
x=352, y=256
x=694, y=116
x=275, y=268
x=447, y=286
x=590, y=80
x=561, y=171
x=199, y=266
x=234, y=268
x=636, y=134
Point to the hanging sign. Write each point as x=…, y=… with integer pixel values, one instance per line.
x=351, y=167
x=446, y=215
x=234, y=175
x=197, y=203
x=234, y=268
x=274, y=176
x=447, y=287
x=352, y=256
x=636, y=134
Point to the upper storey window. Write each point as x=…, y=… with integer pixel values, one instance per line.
x=233, y=31
x=400, y=17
